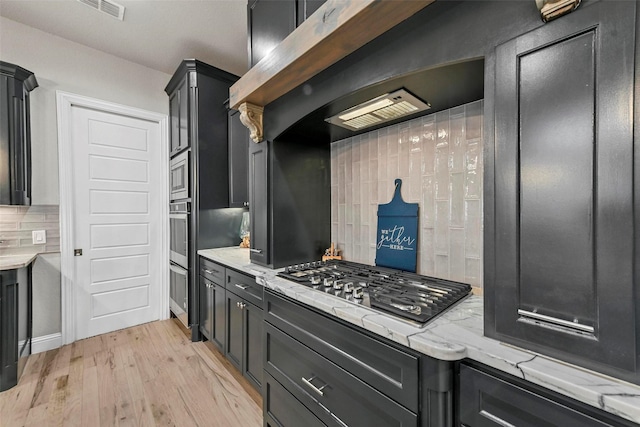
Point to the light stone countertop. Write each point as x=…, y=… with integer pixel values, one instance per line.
x=11, y=262
x=454, y=335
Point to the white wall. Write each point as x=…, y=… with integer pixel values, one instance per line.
x=70, y=67
x=60, y=64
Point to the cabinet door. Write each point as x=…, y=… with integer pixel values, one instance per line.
x=253, y=366
x=270, y=22
x=8, y=329
x=179, y=118
x=564, y=172
x=259, y=202
x=233, y=348
x=219, y=315
x=307, y=7
x=206, y=308
x=238, y=161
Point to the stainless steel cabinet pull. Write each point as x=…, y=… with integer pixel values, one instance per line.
x=257, y=251
x=240, y=286
x=238, y=304
x=209, y=271
x=314, y=388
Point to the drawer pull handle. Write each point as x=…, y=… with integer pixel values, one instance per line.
x=312, y=387
x=256, y=251
x=237, y=285
x=209, y=271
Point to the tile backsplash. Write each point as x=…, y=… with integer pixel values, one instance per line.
x=439, y=159
x=17, y=223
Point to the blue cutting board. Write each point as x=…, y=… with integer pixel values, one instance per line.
x=397, y=238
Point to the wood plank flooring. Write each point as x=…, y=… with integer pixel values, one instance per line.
x=149, y=375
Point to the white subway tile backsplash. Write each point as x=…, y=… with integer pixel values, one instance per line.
x=439, y=159
x=17, y=222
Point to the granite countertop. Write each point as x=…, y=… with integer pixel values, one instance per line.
x=11, y=262
x=456, y=334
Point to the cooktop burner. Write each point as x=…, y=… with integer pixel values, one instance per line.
x=407, y=295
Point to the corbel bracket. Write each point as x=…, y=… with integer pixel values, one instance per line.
x=552, y=9
x=251, y=117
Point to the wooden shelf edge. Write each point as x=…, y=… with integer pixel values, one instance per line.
x=335, y=30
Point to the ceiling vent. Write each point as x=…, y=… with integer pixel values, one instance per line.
x=387, y=107
x=112, y=9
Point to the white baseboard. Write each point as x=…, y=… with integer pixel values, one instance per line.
x=46, y=342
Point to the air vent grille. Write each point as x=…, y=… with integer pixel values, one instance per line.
x=108, y=7
x=379, y=110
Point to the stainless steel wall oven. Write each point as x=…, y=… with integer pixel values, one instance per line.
x=179, y=226
x=179, y=176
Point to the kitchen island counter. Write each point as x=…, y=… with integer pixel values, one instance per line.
x=455, y=335
x=14, y=261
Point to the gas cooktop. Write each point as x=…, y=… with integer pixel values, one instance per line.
x=409, y=296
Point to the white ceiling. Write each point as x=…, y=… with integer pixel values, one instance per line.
x=155, y=33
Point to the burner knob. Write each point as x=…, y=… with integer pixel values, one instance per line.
x=315, y=280
x=328, y=282
x=358, y=293
x=338, y=284
x=348, y=287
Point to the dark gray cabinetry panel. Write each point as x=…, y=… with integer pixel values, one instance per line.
x=564, y=216
x=15, y=134
x=346, y=377
x=15, y=324
x=306, y=9
x=269, y=22
x=244, y=326
x=179, y=117
x=282, y=409
x=238, y=161
x=212, y=302
x=259, y=202
x=198, y=120
x=486, y=400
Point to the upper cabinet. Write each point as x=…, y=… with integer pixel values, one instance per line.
x=15, y=134
x=178, y=118
x=238, y=161
x=271, y=21
x=563, y=209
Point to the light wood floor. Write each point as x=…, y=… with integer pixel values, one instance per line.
x=149, y=375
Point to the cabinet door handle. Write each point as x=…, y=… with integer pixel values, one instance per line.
x=210, y=272
x=244, y=288
x=312, y=387
x=256, y=251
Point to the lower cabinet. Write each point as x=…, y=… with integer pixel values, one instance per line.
x=212, y=312
x=321, y=371
x=244, y=326
x=491, y=399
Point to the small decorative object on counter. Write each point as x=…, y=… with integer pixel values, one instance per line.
x=332, y=253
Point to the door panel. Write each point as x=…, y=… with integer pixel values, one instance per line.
x=117, y=225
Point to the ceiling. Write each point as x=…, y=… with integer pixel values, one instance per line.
x=155, y=33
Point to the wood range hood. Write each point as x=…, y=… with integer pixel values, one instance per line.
x=337, y=29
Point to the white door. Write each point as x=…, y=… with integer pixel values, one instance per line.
x=117, y=192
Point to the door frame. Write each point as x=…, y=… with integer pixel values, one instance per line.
x=64, y=102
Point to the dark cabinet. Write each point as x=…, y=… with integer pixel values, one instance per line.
x=238, y=161
x=259, y=202
x=198, y=132
x=494, y=400
x=563, y=220
x=179, y=117
x=306, y=9
x=212, y=303
x=15, y=324
x=244, y=326
x=15, y=134
x=335, y=374
x=269, y=22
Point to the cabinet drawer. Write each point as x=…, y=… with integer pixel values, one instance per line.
x=245, y=287
x=488, y=401
x=327, y=389
x=281, y=409
x=211, y=270
x=386, y=368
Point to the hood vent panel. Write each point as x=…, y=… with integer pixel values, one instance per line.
x=108, y=7
x=387, y=107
